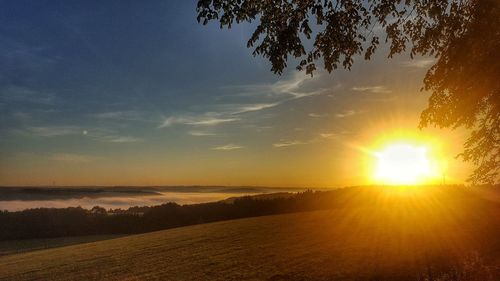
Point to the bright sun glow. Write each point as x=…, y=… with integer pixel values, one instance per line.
x=403, y=164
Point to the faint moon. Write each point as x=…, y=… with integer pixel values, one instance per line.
x=84, y=132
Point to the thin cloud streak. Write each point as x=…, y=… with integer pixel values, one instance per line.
x=201, y=134
x=291, y=87
x=345, y=114
x=254, y=107
x=212, y=121
x=327, y=135
x=195, y=121
x=317, y=115
x=130, y=115
x=288, y=143
x=55, y=131
x=227, y=147
x=372, y=89
x=122, y=139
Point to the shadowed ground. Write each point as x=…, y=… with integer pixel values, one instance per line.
x=12, y=247
x=401, y=237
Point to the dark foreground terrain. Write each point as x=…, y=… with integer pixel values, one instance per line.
x=399, y=235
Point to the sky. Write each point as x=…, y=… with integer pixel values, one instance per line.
x=139, y=93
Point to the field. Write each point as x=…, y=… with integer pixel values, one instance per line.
x=19, y=246
x=405, y=237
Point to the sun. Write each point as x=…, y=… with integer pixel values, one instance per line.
x=403, y=164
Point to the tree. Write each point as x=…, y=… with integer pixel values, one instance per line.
x=463, y=35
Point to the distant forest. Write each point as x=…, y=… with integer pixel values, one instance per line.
x=76, y=221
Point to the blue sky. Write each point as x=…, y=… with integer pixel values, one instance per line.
x=133, y=92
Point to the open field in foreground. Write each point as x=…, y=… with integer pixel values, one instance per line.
x=402, y=238
x=19, y=246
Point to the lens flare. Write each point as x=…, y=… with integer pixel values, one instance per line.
x=405, y=157
x=402, y=163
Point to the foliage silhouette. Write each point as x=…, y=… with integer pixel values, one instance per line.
x=464, y=36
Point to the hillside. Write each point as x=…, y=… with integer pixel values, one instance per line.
x=400, y=238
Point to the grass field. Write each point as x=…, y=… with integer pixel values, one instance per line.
x=399, y=239
x=19, y=246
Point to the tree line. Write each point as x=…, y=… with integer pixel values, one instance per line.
x=76, y=221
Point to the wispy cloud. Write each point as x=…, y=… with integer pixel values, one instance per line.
x=372, y=89
x=317, y=115
x=253, y=107
x=129, y=115
x=297, y=86
x=242, y=99
x=196, y=121
x=257, y=128
x=327, y=135
x=211, y=121
x=200, y=134
x=345, y=114
x=121, y=139
x=418, y=63
x=321, y=137
x=227, y=147
x=104, y=135
x=73, y=158
x=288, y=143
x=53, y=131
